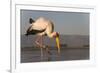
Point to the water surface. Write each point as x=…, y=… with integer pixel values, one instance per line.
x=31, y=54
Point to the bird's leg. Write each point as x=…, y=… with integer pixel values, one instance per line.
x=41, y=49
x=39, y=43
x=48, y=50
x=48, y=53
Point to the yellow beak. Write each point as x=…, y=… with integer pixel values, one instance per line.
x=58, y=44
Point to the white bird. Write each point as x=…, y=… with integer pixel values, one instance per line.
x=43, y=27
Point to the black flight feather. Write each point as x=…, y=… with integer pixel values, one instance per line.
x=31, y=21
x=34, y=31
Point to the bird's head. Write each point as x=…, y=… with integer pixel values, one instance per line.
x=56, y=36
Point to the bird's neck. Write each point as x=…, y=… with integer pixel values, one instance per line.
x=50, y=35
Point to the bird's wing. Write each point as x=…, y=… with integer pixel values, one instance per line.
x=50, y=29
x=30, y=30
x=40, y=24
x=38, y=27
x=43, y=24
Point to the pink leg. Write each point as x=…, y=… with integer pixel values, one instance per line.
x=39, y=43
x=41, y=48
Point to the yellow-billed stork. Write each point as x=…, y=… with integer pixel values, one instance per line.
x=43, y=27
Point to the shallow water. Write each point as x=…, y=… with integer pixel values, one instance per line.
x=34, y=54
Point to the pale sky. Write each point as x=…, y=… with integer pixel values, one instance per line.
x=68, y=23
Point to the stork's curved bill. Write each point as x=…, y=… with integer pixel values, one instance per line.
x=58, y=43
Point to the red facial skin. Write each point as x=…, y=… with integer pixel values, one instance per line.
x=56, y=35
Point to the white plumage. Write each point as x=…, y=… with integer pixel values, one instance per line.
x=43, y=24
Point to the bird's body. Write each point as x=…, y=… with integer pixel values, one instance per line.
x=43, y=27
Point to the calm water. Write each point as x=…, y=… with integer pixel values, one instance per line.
x=34, y=54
